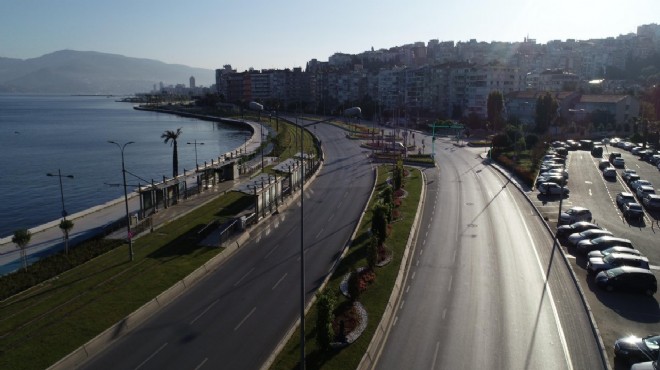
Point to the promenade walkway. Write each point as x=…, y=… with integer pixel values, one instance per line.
x=48, y=238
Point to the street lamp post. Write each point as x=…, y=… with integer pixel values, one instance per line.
x=64, y=214
x=128, y=220
x=195, y=143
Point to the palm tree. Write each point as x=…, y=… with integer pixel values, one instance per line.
x=22, y=238
x=173, y=135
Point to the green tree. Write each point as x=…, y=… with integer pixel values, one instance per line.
x=66, y=226
x=546, y=112
x=324, y=318
x=22, y=238
x=372, y=252
x=379, y=222
x=494, y=109
x=172, y=136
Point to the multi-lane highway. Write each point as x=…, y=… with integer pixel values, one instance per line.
x=235, y=318
x=487, y=287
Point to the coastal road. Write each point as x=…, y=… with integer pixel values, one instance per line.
x=486, y=287
x=234, y=318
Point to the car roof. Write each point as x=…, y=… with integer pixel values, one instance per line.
x=629, y=269
x=610, y=238
x=625, y=194
x=622, y=249
x=578, y=209
x=653, y=196
x=626, y=256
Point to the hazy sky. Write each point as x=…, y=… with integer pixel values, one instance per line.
x=285, y=34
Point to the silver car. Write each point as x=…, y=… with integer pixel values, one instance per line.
x=575, y=238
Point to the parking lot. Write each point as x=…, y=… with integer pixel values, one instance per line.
x=617, y=313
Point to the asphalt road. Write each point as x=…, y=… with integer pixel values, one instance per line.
x=617, y=314
x=486, y=287
x=235, y=317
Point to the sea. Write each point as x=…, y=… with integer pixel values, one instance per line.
x=68, y=135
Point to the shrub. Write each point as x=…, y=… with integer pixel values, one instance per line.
x=324, y=318
x=354, y=286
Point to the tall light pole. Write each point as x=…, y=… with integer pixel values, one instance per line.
x=302, y=251
x=64, y=214
x=195, y=143
x=128, y=220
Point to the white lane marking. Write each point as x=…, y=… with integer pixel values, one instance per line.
x=202, y=363
x=435, y=355
x=444, y=313
x=319, y=233
x=205, y=311
x=245, y=318
x=653, y=267
x=413, y=275
x=401, y=305
x=451, y=280
x=407, y=288
x=331, y=217
x=151, y=356
x=279, y=281
x=272, y=250
x=244, y=276
x=396, y=318
x=590, y=192
x=560, y=331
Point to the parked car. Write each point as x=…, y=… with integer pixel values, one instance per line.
x=609, y=173
x=633, y=349
x=644, y=189
x=601, y=243
x=633, y=211
x=597, y=151
x=576, y=227
x=631, y=178
x=575, y=214
x=628, y=278
x=623, y=198
x=616, y=249
x=627, y=172
x=550, y=188
x=652, y=202
x=555, y=171
x=598, y=264
x=575, y=238
x=618, y=162
x=635, y=184
x=603, y=163
x=614, y=155
x=560, y=180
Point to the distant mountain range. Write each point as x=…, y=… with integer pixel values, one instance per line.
x=89, y=72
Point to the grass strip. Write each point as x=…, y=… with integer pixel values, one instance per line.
x=47, y=322
x=374, y=299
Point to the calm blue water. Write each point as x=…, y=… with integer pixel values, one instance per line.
x=41, y=134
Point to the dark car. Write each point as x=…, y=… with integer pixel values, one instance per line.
x=603, y=164
x=624, y=198
x=611, y=250
x=627, y=279
x=652, y=202
x=612, y=260
x=597, y=151
x=614, y=155
x=565, y=230
x=634, y=349
x=633, y=211
x=601, y=243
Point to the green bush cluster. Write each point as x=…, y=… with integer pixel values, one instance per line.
x=51, y=266
x=324, y=317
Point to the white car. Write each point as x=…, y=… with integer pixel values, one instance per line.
x=575, y=214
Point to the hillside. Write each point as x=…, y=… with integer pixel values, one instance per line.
x=88, y=72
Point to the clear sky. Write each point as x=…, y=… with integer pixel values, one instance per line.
x=288, y=33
